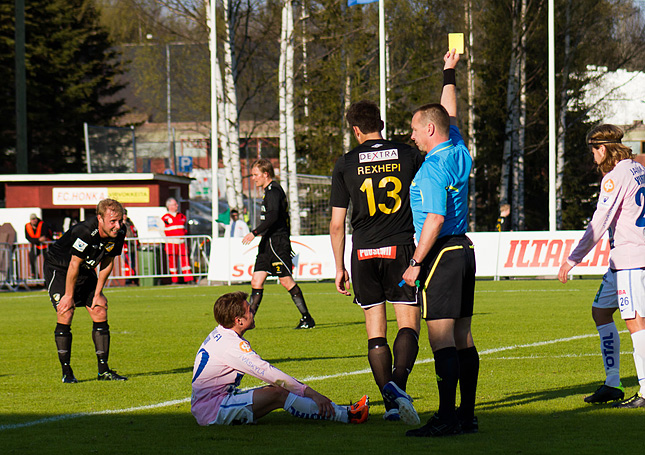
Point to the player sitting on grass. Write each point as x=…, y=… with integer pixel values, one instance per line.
x=223, y=359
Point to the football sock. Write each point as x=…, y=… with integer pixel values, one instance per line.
x=101, y=338
x=255, y=299
x=380, y=359
x=63, y=338
x=639, y=362
x=468, y=373
x=446, y=365
x=610, y=350
x=638, y=339
x=405, y=350
x=299, y=300
x=306, y=408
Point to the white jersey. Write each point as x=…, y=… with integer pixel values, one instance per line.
x=621, y=210
x=222, y=360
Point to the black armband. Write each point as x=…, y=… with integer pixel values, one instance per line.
x=449, y=77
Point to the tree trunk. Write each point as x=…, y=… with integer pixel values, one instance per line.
x=234, y=186
x=288, y=165
x=518, y=174
x=511, y=102
x=472, y=146
x=562, y=118
x=294, y=203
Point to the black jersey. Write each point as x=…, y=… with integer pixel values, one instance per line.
x=376, y=177
x=274, y=215
x=83, y=240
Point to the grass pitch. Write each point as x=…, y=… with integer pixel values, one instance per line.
x=539, y=356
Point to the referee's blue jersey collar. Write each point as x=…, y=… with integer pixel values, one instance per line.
x=441, y=147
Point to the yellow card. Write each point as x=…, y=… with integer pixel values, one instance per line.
x=456, y=41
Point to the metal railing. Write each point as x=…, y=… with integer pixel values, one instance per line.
x=143, y=261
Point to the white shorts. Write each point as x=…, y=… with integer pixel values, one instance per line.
x=606, y=296
x=236, y=409
x=630, y=287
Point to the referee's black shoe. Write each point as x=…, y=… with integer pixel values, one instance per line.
x=435, y=428
x=604, y=394
x=468, y=424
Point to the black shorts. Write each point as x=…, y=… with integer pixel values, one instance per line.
x=376, y=274
x=447, y=279
x=274, y=256
x=83, y=291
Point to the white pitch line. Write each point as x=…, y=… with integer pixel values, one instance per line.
x=307, y=379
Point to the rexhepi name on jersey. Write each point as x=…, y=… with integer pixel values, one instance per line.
x=380, y=155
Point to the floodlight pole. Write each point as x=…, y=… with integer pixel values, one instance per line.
x=171, y=148
x=552, y=128
x=212, y=20
x=21, y=90
x=383, y=82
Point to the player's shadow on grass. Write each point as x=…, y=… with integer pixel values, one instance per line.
x=519, y=399
x=308, y=359
x=319, y=325
x=158, y=373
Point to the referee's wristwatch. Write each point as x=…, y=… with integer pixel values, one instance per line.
x=414, y=263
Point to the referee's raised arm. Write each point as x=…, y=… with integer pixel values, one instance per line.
x=449, y=91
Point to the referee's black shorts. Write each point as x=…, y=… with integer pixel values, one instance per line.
x=274, y=256
x=447, y=279
x=83, y=291
x=376, y=273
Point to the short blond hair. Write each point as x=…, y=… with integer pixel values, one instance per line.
x=109, y=204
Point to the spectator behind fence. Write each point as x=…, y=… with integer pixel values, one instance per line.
x=175, y=225
x=37, y=233
x=130, y=248
x=7, y=238
x=237, y=228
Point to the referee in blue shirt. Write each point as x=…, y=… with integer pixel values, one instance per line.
x=443, y=263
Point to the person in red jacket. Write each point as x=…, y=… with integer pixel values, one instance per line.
x=175, y=225
x=37, y=232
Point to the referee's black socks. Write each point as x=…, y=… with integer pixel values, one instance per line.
x=468, y=374
x=446, y=366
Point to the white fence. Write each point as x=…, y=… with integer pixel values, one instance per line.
x=146, y=262
x=498, y=254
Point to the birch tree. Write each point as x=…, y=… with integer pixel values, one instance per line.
x=231, y=146
x=511, y=109
x=288, y=168
x=519, y=123
x=472, y=145
x=562, y=117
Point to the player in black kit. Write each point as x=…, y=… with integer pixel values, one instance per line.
x=72, y=281
x=274, y=251
x=376, y=177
